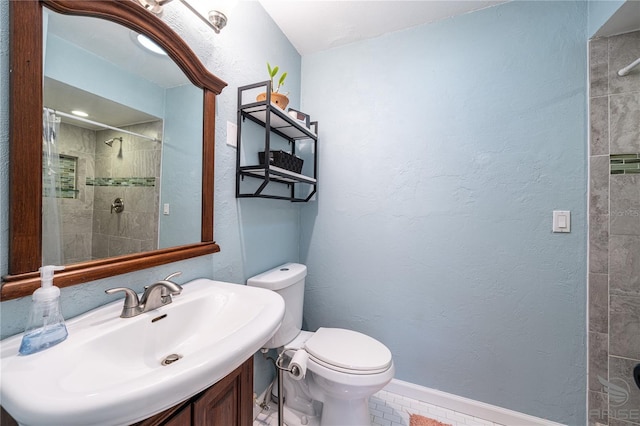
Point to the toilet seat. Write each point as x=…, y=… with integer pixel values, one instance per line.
x=348, y=351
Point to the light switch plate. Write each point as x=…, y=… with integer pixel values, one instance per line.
x=232, y=134
x=561, y=221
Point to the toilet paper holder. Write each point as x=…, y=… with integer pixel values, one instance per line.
x=297, y=372
x=297, y=365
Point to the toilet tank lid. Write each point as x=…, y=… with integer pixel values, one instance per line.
x=279, y=277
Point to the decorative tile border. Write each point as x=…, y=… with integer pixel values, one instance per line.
x=128, y=181
x=624, y=164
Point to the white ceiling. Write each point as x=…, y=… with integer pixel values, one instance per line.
x=316, y=25
x=62, y=97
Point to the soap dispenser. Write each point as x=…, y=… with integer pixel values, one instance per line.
x=45, y=326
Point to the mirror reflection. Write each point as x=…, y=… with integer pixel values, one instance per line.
x=128, y=168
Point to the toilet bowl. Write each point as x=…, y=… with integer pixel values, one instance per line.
x=343, y=369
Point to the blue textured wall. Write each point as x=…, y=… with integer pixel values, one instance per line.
x=444, y=149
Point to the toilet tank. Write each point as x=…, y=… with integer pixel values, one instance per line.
x=288, y=281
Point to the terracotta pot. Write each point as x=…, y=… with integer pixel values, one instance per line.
x=277, y=98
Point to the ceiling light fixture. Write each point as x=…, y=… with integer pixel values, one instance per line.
x=154, y=6
x=79, y=113
x=213, y=12
x=218, y=20
x=150, y=45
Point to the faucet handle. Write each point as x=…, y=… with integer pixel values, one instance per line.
x=131, y=302
x=175, y=274
x=169, y=288
x=130, y=296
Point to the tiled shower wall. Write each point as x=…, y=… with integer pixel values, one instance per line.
x=129, y=170
x=614, y=232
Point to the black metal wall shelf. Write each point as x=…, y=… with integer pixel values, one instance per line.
x=274, y=120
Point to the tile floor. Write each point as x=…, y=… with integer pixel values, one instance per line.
x=389, y=409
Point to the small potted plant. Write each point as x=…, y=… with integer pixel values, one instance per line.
x=277, y=98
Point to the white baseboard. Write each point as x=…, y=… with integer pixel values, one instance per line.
x=465, y=405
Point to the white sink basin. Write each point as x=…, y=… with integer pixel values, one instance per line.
x=109, y=371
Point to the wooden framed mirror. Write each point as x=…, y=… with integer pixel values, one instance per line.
x=25, y=161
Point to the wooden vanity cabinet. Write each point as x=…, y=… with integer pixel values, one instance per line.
x=6, y=419
x=227, y=403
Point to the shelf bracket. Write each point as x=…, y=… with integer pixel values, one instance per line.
x=262, y=187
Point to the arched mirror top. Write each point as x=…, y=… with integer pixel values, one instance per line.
x=130, y=14
x=25, y=133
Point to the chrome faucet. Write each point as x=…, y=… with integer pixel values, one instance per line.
x=155, y=296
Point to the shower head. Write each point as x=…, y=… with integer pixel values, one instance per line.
x=110, y=141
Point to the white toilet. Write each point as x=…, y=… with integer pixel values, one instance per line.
x=344, y=367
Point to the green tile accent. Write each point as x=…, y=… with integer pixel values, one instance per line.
x=623, y=156
x=624, y=166
x=624, y=163
x=67, y=166
x=128, y=181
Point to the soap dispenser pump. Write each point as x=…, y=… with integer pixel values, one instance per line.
x=45, y=326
